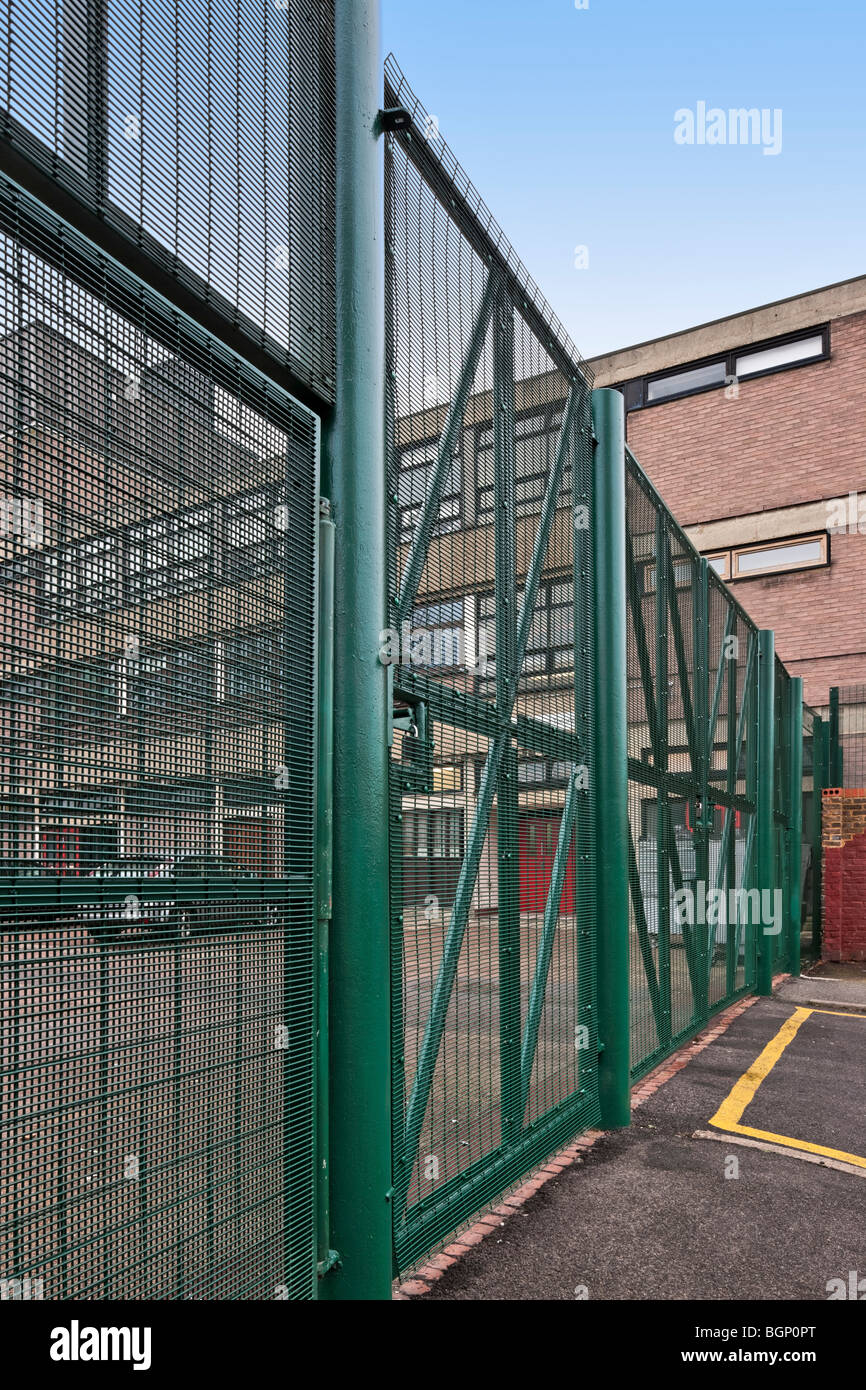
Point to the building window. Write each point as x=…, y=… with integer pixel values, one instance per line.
x=84, y=700
x=683, y=574
x=720, y=561
x=804, y=552
x=446, y=834
x=773, y=359
x=438, y=637
x=170, y=556
x=685, y=383
x=165, y=687
x=535, y=441
x=550, y=644
x=709, y=374
x=772, y=557
x=433, y=834
x=447, y=777
x=253, y=666
x=413, y=484
x=255, y=535
x=85, y=578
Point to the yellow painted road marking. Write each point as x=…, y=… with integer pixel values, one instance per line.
x=732, y=1108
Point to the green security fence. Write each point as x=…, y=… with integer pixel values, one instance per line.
x=494, y=1039
x=364, y=818
x=693, y=674
x=157, y=649
x=164, y=259
x=704, y=909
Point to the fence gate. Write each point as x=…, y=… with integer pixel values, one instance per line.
x=495, y=1051
x=157, y=693
x=692, y=717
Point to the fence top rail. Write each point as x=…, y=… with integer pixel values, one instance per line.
x=439, y=167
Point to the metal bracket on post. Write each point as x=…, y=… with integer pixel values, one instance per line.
x=393, y=118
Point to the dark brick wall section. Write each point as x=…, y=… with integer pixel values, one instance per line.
x=844, y=876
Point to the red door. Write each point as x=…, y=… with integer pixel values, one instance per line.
x=61, y=850
x=538, y=839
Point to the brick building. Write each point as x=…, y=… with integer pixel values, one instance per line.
x=751, y=428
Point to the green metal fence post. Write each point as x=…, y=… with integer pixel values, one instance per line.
x=795, y=824
x=609, y=777
x=360, y=1117
x=324, y=874
x=766, y=767
x=835, y=772
x=819, y=740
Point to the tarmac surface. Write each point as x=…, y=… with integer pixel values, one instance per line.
x=653, y=1212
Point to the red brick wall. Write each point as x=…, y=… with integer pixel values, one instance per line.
x=793, y=437
x=844, y=875
x=790, y=437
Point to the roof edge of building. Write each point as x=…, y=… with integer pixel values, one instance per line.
x=738, y=330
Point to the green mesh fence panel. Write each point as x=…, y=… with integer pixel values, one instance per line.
x=199, y=139
x=489, y=449
x=810, y=866
x=692, y=692
x=852, y=736
x=156, y=773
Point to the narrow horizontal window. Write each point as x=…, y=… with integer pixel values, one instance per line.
x=780, y=355
x=681, y=383
x=800, y=553
x=720, y=561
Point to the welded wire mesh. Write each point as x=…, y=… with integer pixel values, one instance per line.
x=811, y=824
x=491, y=874
x=852, y=735
x=204, y=136
x=156, y=771
x=692, y=683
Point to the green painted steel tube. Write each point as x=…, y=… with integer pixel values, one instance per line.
x=360, y=1103
x=835, y=771
x=819, y=734
x=662, y=666
x=766, y=759
x=609, y=773
x=324, y=868
x=795, y=823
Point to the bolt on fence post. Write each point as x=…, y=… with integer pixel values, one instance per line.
x=795, y=824
x=765, y=790
x=610, y=774
x=360, y=1111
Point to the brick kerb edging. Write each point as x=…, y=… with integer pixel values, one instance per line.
x=493, y=1220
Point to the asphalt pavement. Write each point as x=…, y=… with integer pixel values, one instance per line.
x=654, y=1212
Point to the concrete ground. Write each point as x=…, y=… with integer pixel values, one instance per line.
x=654, y=1212
x=829, y=985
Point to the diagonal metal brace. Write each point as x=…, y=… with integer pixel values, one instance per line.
x=444, y=456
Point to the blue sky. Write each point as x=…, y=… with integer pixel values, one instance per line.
x=564, y=119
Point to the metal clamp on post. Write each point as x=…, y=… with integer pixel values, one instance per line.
x=412, y=717
x=393, y=118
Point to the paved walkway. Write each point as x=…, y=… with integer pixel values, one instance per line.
x=829, y=985
x=653, y=1212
